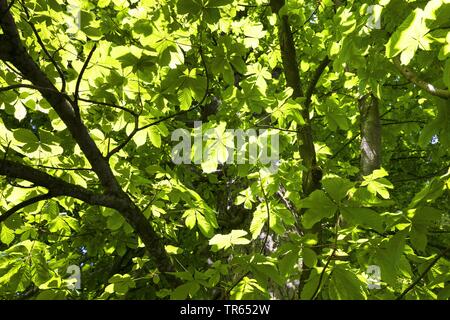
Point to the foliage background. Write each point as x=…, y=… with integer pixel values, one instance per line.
x=86, y=115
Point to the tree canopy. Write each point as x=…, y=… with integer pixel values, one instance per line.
x=353, y=97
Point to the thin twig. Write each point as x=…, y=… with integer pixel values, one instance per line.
x=107, y=104
x=266, y=201
x=423, y=274
x=136, y=129
x=316, y=292
x=31, y=86
x=312, y=85
x=344, y=146
x=44, y=48
x=63, y=169
x=80, y=77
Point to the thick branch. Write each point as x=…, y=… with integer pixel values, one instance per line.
x=56, y=186
x=412, y=77
x=31, y=71
x=288, y=52
x=115, y=197
x=124, y=205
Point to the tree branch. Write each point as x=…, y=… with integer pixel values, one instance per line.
x=63, y=107
x=80, y=77
x=310, y=181
x=423, y=274
x=171, y=116
x=126, y=141
x=32, y=86
x=266, y=201
x=107, y=104
x=24, y=204
x=42, y=45
x=344, y=146
x=56, y=186
x=412, y=77
x=13, y=50
x=312, y=85
x=2, y=13
x=316, y=292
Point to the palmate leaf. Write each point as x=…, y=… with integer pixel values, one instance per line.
x=408, y=37
x=156, y=60
x=364, y=217
x=247, y=289
x=189, y=6
x=345, y=285
x=258, y=221
x=388, y=257
x=336, y=187
x=204, y=218
x=319, y=207
x=225, y=241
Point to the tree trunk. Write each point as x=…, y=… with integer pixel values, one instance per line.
x=370, y=134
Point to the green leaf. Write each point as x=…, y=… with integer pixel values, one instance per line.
x=309, y=257
x=20, y=112
x=188, y=6
x=120, y=284
x=258, y=221
x=376, y=184
x=364, y=217
x=320, y=207
x=185, y=98
x=173, y=250
x=225, y=241
x=155, y=136
x=185, y=290
x=388, y=258
x=408, y=37
x=336, y=187
x=288, y=263
x=115, y=221
x=279, y=217
x=248, y=289
x=427, y=216
x=310, y=286
x=218, y=3
x=345, y=285
x=25, y=136
x=103, y=3
x=6, y=235
x=190, y=218
x=140, y=138
x=418, y=237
